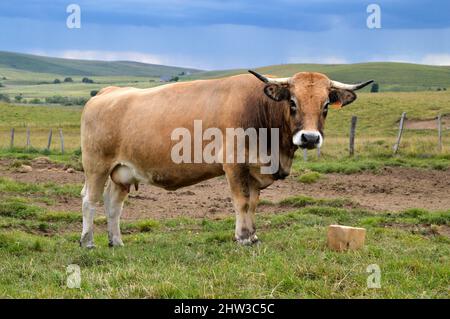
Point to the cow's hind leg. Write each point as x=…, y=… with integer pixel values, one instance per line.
x=92, y=192
x=114, y=197
x=245, y=199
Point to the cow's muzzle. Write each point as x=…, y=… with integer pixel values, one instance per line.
x=308, y=139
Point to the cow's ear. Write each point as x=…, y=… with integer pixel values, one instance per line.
x=340, y=97
x=277, y=92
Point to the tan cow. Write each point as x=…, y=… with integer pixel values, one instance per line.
x=126, y=137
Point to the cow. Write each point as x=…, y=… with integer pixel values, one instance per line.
x=126, y=138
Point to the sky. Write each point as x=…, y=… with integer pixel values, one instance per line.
x=213, y=34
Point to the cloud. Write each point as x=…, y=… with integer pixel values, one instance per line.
x=436, y=59
x=286, y=14
x=223, y=46
x=104, y=55
x=133, y=56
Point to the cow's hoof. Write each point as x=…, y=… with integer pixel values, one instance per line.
x=89, y=245
x=253, y=240
x=117, y=242
x=87, y=241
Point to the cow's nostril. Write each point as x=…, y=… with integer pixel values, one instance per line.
x=310, y=138
x=304, y=138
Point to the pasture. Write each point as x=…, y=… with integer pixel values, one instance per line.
x=179, y=244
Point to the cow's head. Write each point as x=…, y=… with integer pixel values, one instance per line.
x=309, y=95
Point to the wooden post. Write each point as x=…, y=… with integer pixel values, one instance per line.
x=400, y=132
x=305, y=154
x=11, y=144
x=439, y=125
x=352, y=135
x=28, y=138
x=62, y=140
x=318, y=152
x=49, y=139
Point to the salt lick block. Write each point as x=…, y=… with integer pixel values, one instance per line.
x=344, y=237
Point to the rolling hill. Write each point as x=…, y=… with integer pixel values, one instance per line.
x=391, y=76
x=66, y=67
x=21, y=73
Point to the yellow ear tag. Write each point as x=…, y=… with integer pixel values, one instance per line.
x=336, y=105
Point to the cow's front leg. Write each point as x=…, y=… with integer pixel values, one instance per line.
x=245, y=196
x=245, y=231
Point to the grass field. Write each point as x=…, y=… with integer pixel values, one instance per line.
x=186, y=257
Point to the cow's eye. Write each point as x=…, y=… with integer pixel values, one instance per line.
x=293, y=106
x=325, y=109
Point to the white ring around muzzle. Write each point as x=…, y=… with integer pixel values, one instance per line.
x=297, y=138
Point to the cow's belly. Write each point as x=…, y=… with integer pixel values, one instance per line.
x=170, y=176
x=171, y=180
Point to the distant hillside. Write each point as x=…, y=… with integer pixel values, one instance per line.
x=25, y=69
x=40, y=64
x=391, y=76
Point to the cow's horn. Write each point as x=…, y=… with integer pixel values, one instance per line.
x=270, y=80
x=351, y=87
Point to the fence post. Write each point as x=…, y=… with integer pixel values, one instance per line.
x=62, y=140
x=305, y=155
x=352, y=135
x=28, y=138
x=49, y=139
x=11, y=143
x=318, y=152
x=400, y=132
x=439, y=124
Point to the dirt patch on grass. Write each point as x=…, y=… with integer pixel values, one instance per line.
x=44, y=171
x=393, y=189
x=430, y=124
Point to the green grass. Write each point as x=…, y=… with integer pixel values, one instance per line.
x=40, y=117
x=61, y=217
x=302, y=201
x=18, y=208
x=140, y=226
x=8, y=185
x=309, y=177
x=189, y=258
x=369, y=162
